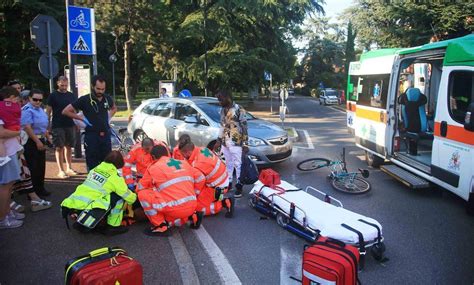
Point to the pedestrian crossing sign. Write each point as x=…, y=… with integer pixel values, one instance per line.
x=82, y=43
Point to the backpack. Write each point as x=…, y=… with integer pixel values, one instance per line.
x=249, y=171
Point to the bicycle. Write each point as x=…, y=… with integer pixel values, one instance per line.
x=341, y=179
x=123, y=140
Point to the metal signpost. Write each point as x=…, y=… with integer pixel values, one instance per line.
x=81, y=41
x=268, y=77
x=283, y=108
x=47, y=35
x=113, y=59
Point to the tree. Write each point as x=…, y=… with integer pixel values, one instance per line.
x=18, y=55
x=408, y=23
x=349, y=53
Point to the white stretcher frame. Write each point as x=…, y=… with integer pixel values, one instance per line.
x=278, y=212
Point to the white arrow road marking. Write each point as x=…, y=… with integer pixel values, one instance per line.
x=183, y=259
x=224, y=269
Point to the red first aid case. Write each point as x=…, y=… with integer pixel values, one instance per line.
x=269, y=178
x=330, y=261
x=104, y=266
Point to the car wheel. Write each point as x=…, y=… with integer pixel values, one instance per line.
x=139, y=135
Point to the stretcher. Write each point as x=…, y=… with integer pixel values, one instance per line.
x=304, y=214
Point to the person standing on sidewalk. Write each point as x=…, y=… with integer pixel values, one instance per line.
x=35, y=123
x=62, y=127
x=97, y=109
x=233, y=137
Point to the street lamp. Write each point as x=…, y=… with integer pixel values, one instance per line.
x=113, y=59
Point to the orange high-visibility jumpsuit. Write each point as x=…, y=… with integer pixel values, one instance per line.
x=214, y=174
x=167, y=192
x=177, y=154
x=137, y=156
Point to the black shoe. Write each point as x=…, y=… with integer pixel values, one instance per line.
x=112, y=231
x=43, y=193
x=197, y=224
x=238, y=190
x=228, y=203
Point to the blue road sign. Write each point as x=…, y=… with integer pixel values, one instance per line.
x=267, y=75
x=81, y=30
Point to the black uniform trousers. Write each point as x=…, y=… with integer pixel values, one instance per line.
x=36, y=161
x=97, y=146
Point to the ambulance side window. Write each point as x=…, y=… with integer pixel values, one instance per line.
x=372, y=90
x=461, y=94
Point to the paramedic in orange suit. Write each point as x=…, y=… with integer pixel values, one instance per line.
x=184, y=139
x=167, y=193
x=214, y=174
x=140, y=157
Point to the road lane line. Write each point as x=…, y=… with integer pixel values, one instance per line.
x=183, y=259
x=290, y=259
x=308, y=139
x=224, y=269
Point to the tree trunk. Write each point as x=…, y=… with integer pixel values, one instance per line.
x=126, y=48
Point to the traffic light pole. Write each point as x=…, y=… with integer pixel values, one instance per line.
x=72, y=80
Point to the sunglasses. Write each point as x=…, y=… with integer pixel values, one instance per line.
x=37, y=100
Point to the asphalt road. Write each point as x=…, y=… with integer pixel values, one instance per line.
x=428, y=236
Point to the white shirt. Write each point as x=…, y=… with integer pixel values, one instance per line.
x=12, y=145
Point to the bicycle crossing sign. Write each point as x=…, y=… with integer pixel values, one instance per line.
x=81, y=30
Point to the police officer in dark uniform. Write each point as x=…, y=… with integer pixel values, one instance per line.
x=97, y=108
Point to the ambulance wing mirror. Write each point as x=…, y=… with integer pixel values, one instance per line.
x=469, y=119
x=191, y=119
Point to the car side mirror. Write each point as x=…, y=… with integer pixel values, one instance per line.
x=469, y=119
x=191, y=120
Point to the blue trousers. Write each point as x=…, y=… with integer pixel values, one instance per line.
x=97, y=146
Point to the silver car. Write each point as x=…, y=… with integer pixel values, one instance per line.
x=168, y=118
x=328, y=96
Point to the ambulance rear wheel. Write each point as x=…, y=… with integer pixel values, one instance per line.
x=282, y=220
x=373, y=160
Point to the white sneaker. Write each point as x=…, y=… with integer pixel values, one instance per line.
x=71, y=172
x=15, y=215
x=38, y=205
x=10, y=223
x=4, y=160
x=62, y=175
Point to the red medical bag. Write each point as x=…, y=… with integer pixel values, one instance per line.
x=104, y=266
x=330, y=261
x=269, y=177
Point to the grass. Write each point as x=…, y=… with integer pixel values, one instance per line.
x=122, y=114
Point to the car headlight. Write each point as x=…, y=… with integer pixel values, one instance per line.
x=256, y=142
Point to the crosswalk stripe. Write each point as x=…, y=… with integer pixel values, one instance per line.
x=224, y=269
x=183, y=259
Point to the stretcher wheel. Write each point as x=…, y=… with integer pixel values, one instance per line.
x=252, y=201
x=377, y=251
x=282, y=220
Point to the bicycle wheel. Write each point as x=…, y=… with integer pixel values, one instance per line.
x=313, y=164
x=356, y=186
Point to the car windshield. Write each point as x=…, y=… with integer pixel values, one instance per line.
x=213, y=110
x=331, y=93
